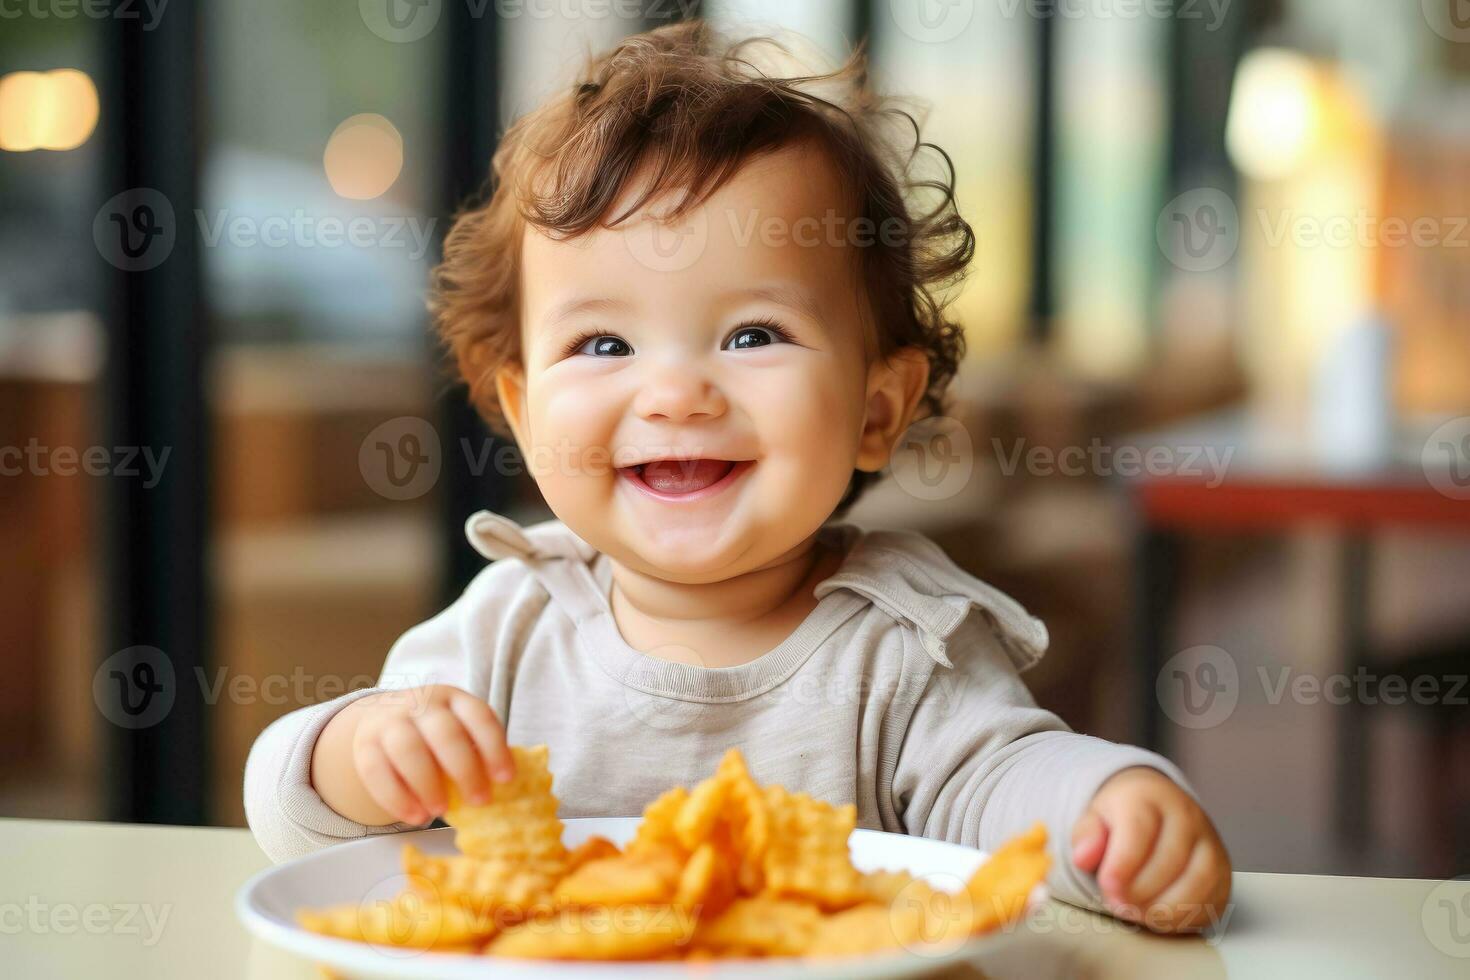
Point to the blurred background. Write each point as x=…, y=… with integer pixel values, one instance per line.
x=1214, y=426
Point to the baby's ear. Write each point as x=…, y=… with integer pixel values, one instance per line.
x=510, y=388
x=895, y=386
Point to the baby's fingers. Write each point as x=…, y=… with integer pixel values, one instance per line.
x=415, y=764
x=1171, y=853
x=456, y=755
x=386, y=787
x=1131, y=836
x=487, y=733
x=1089, y=841
x=1197, y=898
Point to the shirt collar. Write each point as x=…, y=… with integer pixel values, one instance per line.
x=903, y=573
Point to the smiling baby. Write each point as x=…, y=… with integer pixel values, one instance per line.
x=706, y=300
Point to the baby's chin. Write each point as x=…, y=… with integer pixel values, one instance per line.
x=688, y=554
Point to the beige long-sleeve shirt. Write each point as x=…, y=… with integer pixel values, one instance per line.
x=900, y=693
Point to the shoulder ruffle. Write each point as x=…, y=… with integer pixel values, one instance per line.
x=914, y=581
x=496, y=536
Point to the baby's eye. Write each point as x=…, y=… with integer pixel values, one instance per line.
x=744, y=338
x=605, y=345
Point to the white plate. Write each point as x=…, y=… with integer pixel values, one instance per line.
x=369, y=870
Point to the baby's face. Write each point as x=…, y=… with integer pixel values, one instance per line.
x=694, y=397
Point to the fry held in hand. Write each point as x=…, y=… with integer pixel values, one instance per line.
x=725, y=869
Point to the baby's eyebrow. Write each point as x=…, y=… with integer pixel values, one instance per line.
x=567, y=309
x=788, y=295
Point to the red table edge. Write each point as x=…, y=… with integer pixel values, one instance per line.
x=1190, y=503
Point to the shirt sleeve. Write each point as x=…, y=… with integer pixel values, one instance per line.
x=284, y=811
x=980, y=762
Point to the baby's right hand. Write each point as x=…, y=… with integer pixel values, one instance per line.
x=400, y=746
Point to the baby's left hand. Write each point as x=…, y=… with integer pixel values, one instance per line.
x=1156, y=855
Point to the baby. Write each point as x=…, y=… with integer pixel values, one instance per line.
x=706, y=301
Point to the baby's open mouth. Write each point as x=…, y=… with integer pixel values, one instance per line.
x=677, y=477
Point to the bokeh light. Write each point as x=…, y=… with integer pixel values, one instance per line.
x=52, y=110
x=363, y=157
x=1274, y=113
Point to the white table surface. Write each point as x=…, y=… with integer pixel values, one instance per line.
x=84, y=900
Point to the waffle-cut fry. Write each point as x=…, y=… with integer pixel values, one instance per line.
x=919, y=914
x=707, y=883
x=590, y=850
x=657, y=828
x=648, y=877
x=863, y=929
x=762, y=926
x=903, y=912
x=749, y=822
x=625, y=932
x=884, y=887
x=409, y=919
x=505, y=890
x=697, y=818
x=807, y=854
x=1002, y=885
x=930, y=920
x=519, y=823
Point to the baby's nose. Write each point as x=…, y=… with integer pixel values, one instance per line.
x=678, y=392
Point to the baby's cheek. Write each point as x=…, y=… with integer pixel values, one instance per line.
x=569, y=433
x=811, y=425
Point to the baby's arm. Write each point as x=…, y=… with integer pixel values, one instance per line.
x=304, y=784
x=980, y=762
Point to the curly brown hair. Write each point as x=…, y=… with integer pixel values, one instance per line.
x=682, y=110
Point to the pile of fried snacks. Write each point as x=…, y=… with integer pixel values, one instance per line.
x=727, y=869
